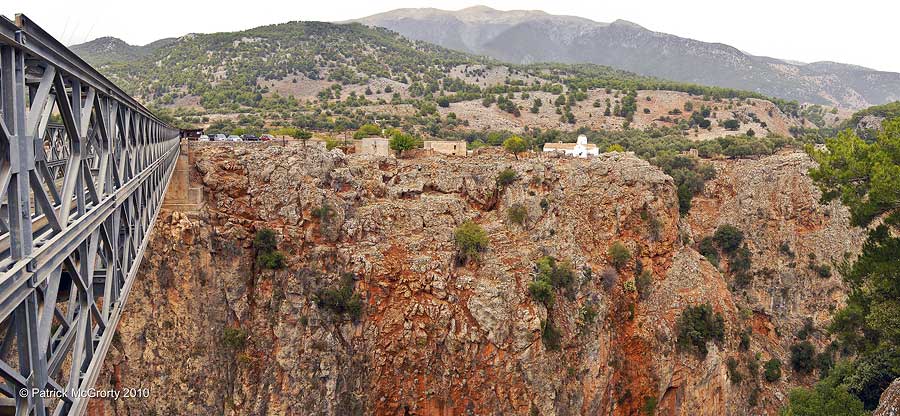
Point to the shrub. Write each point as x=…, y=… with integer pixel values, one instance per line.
x=753, y=367
x=731, y=124
x=629, y=286
x=822, y=270
x=323, y=213
x=506, y=177
x=470, y=240
x=550, y=335
x=517, y=214
x=588, y=313
x=802, y=357
x=772, y=370
x=619, y=255
x=542, y=291
x=271, y=260
x=615, y=147
x=733, y=374
x=643, y=283
x=698, y=325
x=707, y=248
x=234, y=338
x=728, y=238
x=650, y=402
x=265, y=240
x=785, y=248
x=824, y=363
x=267, y=257
x=341, y=300
x=443, y=102
x=739, y=265
x=559, y=274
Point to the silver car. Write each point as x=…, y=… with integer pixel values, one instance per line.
x=220, y=138
x=235, y=138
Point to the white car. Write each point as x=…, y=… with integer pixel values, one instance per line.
x=203, y=138
x=235, y=138
x=220, y=137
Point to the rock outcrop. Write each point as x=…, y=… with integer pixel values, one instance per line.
x=210, y=332
x=890, y=401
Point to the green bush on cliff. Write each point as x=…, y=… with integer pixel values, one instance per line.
x=517, y=214
x=471, y=240
x=728, y=237
x=267, y=255
x=234, y=338
x=619, y=255
x=341, y=300
x=550, y=336
x=542, y=291
x=506, y=177
x=698, y=325
x=772, y=370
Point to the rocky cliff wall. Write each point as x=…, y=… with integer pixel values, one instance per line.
x=209, y=332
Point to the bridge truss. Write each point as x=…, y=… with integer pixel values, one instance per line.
x=83, y=171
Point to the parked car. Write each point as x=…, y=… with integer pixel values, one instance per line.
x=220, y=137
x=266, y=137
x=250, y=138
x=235, y=138
x=203, y=138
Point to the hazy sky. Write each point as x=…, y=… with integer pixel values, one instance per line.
x=862, y=32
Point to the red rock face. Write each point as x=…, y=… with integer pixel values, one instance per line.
x=439, y=338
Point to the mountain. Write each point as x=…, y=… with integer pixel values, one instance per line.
x=535, y=36
x=108, y=49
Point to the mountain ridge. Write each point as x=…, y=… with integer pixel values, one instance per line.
x=522, y=36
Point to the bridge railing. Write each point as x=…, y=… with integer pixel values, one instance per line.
x=77, y=202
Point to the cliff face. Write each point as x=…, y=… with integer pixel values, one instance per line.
x=210, y=332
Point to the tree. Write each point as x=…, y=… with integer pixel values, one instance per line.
x=731, y=124
x=823, y=400
x=443, y=101
x=515, y=145
x=303, y=135
x=402, y=141
x=367, y=130
x=615, y=147
x=470, y=240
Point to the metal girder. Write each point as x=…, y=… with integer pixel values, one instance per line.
x=77, y=202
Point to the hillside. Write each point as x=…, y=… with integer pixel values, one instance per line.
x=328, y=77
x=534, y=36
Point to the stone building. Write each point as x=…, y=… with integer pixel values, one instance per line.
x=447, y=147
x=581, y=148
x=374, y=146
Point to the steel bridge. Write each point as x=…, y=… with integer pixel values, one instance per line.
x=83, y=171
